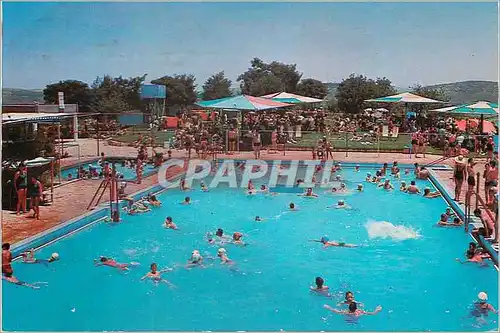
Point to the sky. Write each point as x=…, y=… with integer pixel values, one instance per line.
x=425, y=43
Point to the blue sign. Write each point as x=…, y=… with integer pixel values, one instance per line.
x=131, y=119
x=153, y=91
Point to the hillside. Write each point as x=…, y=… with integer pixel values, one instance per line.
x=470, y=91
x=21, y=96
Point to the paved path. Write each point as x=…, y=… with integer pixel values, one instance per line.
x=71, y=200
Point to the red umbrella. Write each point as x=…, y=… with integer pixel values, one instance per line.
x=488, y=126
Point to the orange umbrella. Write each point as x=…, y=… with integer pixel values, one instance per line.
x=488, y=126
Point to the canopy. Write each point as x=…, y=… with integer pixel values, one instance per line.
x=38, y=161
x=403, y=98
x=285, y=97
x=488, y=126
x=480, y=108
x=242, y=102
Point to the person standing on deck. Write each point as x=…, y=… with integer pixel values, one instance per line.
x=21, y=187
x=36, y=193
x=459, y=176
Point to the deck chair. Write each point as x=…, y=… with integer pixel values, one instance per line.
x=395, y=132
x=385, y=131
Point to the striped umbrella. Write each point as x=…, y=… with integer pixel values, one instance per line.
x=242, y=102
x=481, y=108
x=403, y=98
x=285, y=97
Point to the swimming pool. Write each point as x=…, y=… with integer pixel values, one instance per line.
x=416, y=280
x=128, y=173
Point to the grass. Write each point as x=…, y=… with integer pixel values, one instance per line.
x=134, y=135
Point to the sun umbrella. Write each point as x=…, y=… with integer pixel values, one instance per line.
x=403, y=98
x=488, y=126
x=285, y=97
x=242, y=102
x=480, y=108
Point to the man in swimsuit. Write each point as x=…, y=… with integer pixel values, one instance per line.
x=353, y=310
x=195, y=260
x=429, y=194
x=491, y=178
x=7, y=260
x=327, y=243
x=386, y=185
x=21, y=187
x=423, y=173
x=169, y=223
x=187, y=201
x=224, y=259
x=155, y=275
x=103, y=261
x=309, y=193
x=320, y=287
x=459, y=175
x=412, y=189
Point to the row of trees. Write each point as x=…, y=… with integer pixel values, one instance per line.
x=114, y=95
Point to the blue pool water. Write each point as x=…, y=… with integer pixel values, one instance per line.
x=417, y=281
x=128, y=173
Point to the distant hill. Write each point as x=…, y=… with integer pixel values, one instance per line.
x=21, y=96
x=470, y=91
x=458, y=92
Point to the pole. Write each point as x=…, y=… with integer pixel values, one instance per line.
x=52, y=181
x=97, y=129
x=346, y=146
x=481, y=125
x=61, y=153
x=378, y=145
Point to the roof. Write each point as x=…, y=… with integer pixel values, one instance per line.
x=12, y=118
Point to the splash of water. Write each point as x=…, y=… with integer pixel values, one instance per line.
x=384, y=230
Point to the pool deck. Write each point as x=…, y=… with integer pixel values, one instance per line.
x=72, y=199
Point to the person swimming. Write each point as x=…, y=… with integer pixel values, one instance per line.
x=443, y=221
x=429, y=194
x=353, y=310
x=237, y=238
x=474, y=255
x=29, y=258
x=183, y=186
x=386, y=185
x=155, y=275
x=320, y=286
x=412, y=189
x=187, y=201
x=263, y=189
x=395, y=168
x=328, y=243
x=153, y=201
x=342, y=188
x=449, y=213
x=356, y=168
x=258, y=219
x=360, y=188
x=169, y=223
x=195, y=260
x=204, y=187
x=368, y=177
x=224, y=259
x=348, y=299
x=292, y=206
x=402, y=187
x=104, y=261
x=481, y=307
x=309, y=193
x=341, y=205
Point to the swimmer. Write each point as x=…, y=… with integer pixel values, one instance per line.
x=449, y=213
x=29, y=258
x=103, y=261
x=237, y=238
x=183, y=185
x=429, y=194
x=474, y=255
x=204, y=187
x=187, y=201
x=250, y=186
x=154, y=202
x=397, y=175
x=327, y=243
x=403, y=188
x=320, y=286
x=360, y=188
x=353, y=310
x=155, y=275
x=412, y=189
x=395, y=168
x=258, y=219
x=342, y=188
x=407, y=172
x=444, y=221
x=375, y=179
x=482, y=307
x=169, y=224
x=386, y=185
x=292, y=206
x=338, y=178
x=349, y=298
x=136, y=208
x=341, y=205
x=368, y=177
x=195, y=260
x=224, y=259
x=334, y=189
x=309, y=193
x=356, y=168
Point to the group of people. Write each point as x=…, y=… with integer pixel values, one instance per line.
x=27, y=187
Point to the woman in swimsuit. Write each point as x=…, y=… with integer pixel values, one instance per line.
x=256, y=143
x=471, y=180
x=21, y=186
x=459, y=175
x=36, y=195
x=103, y=261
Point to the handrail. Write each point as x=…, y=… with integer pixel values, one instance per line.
x=479, y=200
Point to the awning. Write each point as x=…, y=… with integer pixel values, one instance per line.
x=34, y=117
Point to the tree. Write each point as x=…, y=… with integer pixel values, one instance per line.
x=353, y=91
x=115, y=95
x=217, y=86
x=181, y=89
x=75, y=92
x=262, y=78
x=429, y=92
x=312, y=88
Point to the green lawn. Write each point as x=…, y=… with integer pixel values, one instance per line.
x=134, y=135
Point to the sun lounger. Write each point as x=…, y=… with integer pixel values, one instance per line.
x=385, y=131
x=395, y=132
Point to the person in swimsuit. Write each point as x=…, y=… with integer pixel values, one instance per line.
x=195, y=260
x=443, y=221
x=412, y=189
x=471, y=180
x=474, y=255
x=353, y=310
x=155, y=275
x=423, y=173
x=292, y=206
x=459, y=175
x=7, y=260
x=429, y=194
x=187, y=201
x=29, y=258
x=21, y=187
x=491, y=179
x=256, y=144
x=320, y=287
x=348, y=299
x=395, y=168
x=481, y=307
x=360, y=188
x=402, y=188
x=169, y=224
x=449, y=213
x=104, y=261
x=36, y=192
x=237, y=239
x=224, y=259
x=153, y=201
x=368, y=177
x=490, y=148
x=309, y=193
x=204, y=187
x=386, y=185
x=414, y=143
x=416, y=169
x=328, y=243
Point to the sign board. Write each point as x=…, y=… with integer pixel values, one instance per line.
x=61, y=100
x=153, y=91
